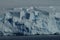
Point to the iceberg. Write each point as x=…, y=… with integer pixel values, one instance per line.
x=29, y=21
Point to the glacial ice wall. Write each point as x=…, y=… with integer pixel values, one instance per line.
x=29, y=21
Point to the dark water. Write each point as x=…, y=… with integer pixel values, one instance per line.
x=40, y=37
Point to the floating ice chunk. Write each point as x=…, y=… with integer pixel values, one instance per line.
x=30, y=21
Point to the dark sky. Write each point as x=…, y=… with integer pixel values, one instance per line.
x=26, y=3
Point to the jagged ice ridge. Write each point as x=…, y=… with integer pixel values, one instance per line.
x=28, y=21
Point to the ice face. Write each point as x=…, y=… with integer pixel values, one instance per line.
x=29, y=21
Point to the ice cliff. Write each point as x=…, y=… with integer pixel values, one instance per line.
x=29, y=21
